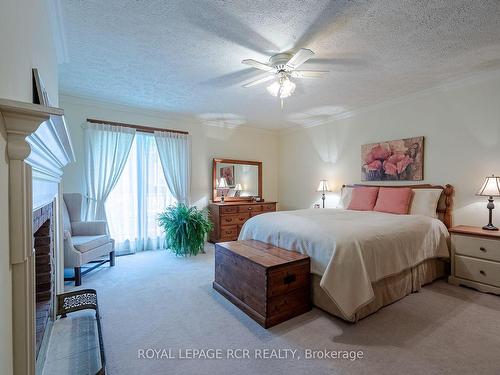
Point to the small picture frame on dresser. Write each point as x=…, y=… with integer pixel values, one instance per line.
x=475, y=258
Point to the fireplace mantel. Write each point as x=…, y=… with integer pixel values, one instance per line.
x=38, y=147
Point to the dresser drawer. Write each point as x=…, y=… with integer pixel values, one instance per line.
x=229, y=210
x=228, y=232
x=250, y=208
x=477, y=247
x=269, y=207
x=234, y=218
x=483, y=271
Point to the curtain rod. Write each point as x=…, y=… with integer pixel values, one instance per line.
x=141, y=128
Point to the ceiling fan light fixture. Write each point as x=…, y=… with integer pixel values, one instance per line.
x=287, y=88
x=283, y=88
x=280, y=68
x=274, y=88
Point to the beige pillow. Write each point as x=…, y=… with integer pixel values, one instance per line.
x=425, y=202
x=345, y=197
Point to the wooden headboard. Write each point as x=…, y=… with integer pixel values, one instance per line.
x=445, y=203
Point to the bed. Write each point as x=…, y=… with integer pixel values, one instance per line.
x=362, y=261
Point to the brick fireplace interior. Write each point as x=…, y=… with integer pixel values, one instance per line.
x=45, y=270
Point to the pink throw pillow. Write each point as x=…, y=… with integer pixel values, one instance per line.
x=393, y=200
x=363, y=198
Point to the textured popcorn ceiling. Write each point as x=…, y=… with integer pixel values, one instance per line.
x=185, y=55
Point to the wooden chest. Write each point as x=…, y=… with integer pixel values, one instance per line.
x=269, y=284
x=228, y=218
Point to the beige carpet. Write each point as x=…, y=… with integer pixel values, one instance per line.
x=154, y=300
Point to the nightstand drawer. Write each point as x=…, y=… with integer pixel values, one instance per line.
x=483, y=271
x=477, y=247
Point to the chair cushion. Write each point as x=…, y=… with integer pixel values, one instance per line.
x=87, y=243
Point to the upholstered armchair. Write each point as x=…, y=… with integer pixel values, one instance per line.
x=84, y=241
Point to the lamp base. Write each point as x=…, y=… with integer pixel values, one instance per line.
x=490, y=227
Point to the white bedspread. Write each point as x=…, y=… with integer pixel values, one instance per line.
x=352, y=249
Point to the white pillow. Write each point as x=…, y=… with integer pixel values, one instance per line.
x=345, y=197
x=425, y=202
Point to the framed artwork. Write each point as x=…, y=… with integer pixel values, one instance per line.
x=228, y=174
x=40, y=95
x=401, y=159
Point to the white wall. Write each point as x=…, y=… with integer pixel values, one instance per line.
x=461, y=125
x=208, y=142
x=25, y=42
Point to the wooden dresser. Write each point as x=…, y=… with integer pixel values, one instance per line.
x=475, y=258
x=229, y=217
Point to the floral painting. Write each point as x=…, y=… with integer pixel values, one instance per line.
x=228, y=174
x=402, y=159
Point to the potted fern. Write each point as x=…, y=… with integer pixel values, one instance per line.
x=185, y=228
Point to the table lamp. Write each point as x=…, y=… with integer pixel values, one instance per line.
x=323, y=188
x=221, y=186
x=237, y=190
x=490, y=188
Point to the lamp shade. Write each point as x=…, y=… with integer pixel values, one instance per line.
x=491, y=187
x=222, y=183
x=238, y=187
x=323, y=186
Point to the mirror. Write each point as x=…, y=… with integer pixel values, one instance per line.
x=236, y=180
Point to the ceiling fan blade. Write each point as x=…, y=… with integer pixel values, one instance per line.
x=232, y=79
x=309, y=73
x=257, y=64
x=260, y=80
x=299, y=58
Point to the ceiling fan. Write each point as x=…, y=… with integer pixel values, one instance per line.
x=281, y=68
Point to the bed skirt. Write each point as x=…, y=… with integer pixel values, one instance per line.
x=387, y=290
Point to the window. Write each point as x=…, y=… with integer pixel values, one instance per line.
x=139, y=196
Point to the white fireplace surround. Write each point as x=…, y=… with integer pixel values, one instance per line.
x=38, y=147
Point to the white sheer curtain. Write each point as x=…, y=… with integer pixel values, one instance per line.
x=139, y=196
x=175, y=155
x=106, y=151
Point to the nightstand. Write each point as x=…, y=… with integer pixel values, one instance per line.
x=475, y=258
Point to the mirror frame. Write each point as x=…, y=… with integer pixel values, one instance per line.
x=215, y=198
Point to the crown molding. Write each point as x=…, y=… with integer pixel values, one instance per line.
x=173, y=117
x=120, y=107
x=466, y=81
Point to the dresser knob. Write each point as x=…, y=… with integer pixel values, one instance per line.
x=482, y=249
x=482, y=273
